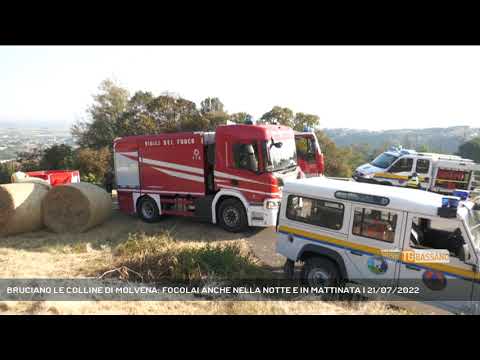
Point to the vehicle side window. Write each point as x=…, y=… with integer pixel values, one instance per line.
x=315, y=212
x=242, y=156
x=374, y=224
x=429, y=234
x=422, y=166
x=403, y=164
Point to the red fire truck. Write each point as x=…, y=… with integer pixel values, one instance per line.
x=232, y=176
x=309, y=155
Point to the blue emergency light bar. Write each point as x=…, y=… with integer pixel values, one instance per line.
x=448, y=202
x=449, y=207
x=462, y=194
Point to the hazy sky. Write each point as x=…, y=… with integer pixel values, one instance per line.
x=355, y=87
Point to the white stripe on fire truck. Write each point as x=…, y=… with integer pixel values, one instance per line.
x=180, y=175
x=248, y=190
x=235, y=177
x=173, y=166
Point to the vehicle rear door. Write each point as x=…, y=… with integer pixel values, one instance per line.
x=423, y=167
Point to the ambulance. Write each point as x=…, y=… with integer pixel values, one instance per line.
x=410, y=243
x=436, y=172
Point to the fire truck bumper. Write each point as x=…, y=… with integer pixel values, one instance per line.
x=260, y=216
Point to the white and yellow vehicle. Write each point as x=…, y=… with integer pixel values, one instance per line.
x=349, y=232
x=436, y=172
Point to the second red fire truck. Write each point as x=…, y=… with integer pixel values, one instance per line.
x=232, y=176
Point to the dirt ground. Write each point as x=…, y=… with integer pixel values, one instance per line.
x=43, y=254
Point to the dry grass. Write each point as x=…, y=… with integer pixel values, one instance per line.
x=200, y=308
x=46, y=255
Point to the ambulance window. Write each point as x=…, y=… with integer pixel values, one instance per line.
x=374, y=224
x=403, y=164
x=422, y=166
x=315, y=212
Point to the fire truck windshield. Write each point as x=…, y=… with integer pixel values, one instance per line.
x=280, y=157
x=384, y=160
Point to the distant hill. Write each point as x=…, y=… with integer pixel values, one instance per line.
x=442, y=140
x=7, y=124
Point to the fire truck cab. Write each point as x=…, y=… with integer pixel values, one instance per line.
x=232, y=176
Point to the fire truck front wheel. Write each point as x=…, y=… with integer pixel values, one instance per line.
x=147, y=210
x=232, y=216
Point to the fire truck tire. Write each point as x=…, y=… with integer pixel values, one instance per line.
x=232, y=216
x=147, y=209
x=320, y=272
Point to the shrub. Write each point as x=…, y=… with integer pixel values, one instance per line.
x=161, y=257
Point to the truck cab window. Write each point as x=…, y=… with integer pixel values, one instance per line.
x=245, y=156
x=423, y=166
x=305, y=148
x=427, y=234
x=374, y=224
x=402, y=165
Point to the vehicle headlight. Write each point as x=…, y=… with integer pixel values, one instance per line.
x=271, y=204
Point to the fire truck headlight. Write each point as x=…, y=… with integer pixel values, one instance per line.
x=271, y=204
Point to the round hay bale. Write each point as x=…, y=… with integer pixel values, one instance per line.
x=75, y=208
x=21, y=208
x=18, y=176
x=35, y=181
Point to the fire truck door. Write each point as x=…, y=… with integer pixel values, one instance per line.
x=307, y=154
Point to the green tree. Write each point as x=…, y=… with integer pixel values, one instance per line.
x=282, y=116
x=93, y=164
x=6, y=171
x=470, y=149
x=213, y=113
x=211, y=105
x=57, y=157
x=138, y=118
x=30, y=160
x=240, y=117
x=105, y=115
x=337, y=160
x=302, y=120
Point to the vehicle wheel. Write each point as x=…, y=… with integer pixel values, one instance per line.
x=232, y=216
x=147, y=210
x=320, y=272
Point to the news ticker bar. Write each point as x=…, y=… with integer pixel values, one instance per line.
x=242, y=290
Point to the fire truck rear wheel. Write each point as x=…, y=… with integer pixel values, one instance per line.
x=232, y=216
x=320, y=272
x=147, y=210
